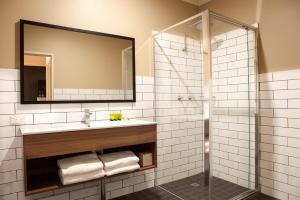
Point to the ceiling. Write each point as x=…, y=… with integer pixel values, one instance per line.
x=197, y=2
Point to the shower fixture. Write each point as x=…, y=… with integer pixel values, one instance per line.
x=198, y=25
x=215, y=42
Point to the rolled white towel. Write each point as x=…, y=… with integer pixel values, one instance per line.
x=71, y=179
x=118, y=170
x=80, y=164
x=118, y=159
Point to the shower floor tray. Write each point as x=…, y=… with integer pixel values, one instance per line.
x=191, y=188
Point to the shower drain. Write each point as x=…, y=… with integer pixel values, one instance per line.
x=195, y=184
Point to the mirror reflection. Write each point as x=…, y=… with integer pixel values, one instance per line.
x=63, y=65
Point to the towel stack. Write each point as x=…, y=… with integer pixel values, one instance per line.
x=119, y=162
x=80, y=168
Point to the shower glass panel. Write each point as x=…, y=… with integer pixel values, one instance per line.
x=178, y=86
x=205, y=107
x=233, y=104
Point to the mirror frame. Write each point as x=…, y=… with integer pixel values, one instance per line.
x=24, y=22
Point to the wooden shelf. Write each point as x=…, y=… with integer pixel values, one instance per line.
x=147, y=167
x=42, y=184
x=49, y=182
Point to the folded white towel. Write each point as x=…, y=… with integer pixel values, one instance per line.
x=118, y=159
x=71, y=179
x=77, y=165
x=118, y=170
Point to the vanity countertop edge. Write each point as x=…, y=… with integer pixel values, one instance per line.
x=56, y=128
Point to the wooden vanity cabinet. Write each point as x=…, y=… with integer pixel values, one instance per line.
x=41, y=151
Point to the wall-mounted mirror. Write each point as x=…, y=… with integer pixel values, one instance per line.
x=62, y=65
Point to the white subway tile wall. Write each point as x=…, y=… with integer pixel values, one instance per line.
x=180, y=128
x=11, y=149
x=234, y=138
x=233, y=129
x=280, y=134
x=178, y=74
x=91, y=94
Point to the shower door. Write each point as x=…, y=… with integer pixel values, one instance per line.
x=233, y=107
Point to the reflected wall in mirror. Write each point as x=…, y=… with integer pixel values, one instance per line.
x=60, y=65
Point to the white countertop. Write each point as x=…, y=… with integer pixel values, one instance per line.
x=41, y=129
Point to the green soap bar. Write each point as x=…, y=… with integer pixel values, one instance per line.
x=115, y=116
x=111, y=117
x=119, y=116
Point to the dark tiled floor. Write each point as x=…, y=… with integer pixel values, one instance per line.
x=149, y=194
x=192, y=188
x=260, y=197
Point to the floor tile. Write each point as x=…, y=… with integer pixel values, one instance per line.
x=192, y=188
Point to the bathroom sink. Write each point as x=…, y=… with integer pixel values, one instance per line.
x=40, y=129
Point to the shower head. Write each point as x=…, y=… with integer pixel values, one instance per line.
x=218, y=41
x=198, y=25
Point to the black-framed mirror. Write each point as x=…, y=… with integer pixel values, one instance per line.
x=68, y=65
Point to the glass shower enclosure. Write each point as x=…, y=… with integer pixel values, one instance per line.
x=206, y=107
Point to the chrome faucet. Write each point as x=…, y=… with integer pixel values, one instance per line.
x=87, y=117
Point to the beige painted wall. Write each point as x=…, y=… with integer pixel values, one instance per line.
x=81, y=60
x=279, y=29
x=279, y=43
x=134, y=18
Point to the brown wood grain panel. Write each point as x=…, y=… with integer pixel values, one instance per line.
x=41, y=151
x=52, y=144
